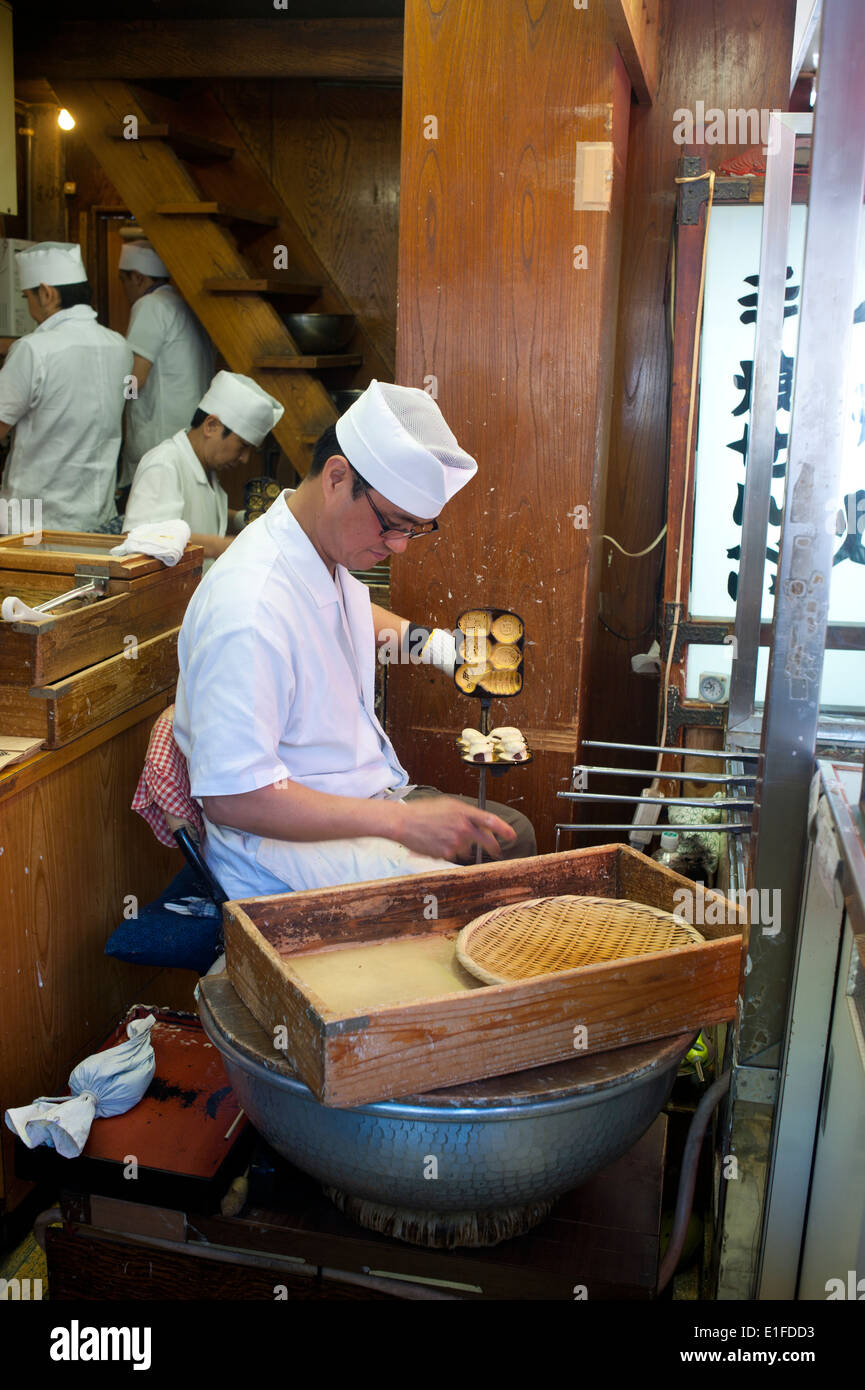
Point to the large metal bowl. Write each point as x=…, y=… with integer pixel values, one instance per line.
x=503, y=1142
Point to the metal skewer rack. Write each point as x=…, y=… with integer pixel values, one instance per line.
x=477, y=691
x=735, y=804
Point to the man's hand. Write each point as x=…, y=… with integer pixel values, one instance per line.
x=439, y=826
x=445, y=828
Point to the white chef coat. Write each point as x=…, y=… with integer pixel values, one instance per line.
x=171, y=482
x=274, y=686
x=62, y=389
x=165, y=331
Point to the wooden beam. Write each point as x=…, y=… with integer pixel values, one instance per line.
x=219, y=212
x=285, y=362
x=634, y=25
x=194, y=148
x=263, y=284
x=140, y=50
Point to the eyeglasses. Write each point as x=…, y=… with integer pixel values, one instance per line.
x=425, y=528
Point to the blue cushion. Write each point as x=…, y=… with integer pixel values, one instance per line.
x=160, y=937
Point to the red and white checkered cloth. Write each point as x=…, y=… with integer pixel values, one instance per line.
x=164, y=784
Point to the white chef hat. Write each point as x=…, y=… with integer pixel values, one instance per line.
x=242, y=405
x=397, y=439
x=140, y=256
x=51, y=263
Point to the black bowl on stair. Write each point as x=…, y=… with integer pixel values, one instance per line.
x=320, y=333
x=343, y=399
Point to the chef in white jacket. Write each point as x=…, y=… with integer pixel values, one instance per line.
x=62, y=389
x=299, y=783
x=172, y=355
x=179, y=479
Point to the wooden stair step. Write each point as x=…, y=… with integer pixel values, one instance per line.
x=285, y=361
x=263, y=285
x=196, y=148
x=219, y=212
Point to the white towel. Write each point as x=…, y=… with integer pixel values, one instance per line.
x=165, y=540
x=106, y=1083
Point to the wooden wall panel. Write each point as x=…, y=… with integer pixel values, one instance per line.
x=520, y=344
x=332, y=154
x=725, y=53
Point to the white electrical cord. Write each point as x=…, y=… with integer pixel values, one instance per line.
x=635, y=554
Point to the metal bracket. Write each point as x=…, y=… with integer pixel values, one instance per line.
x=756, y=1084
x=696, y=634
x=93, y=577
x=692, y=196
x=691, y=716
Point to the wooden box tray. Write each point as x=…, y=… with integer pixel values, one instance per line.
x=62, y=710
x=360, y=988
x=144, y=598
x=61, y=552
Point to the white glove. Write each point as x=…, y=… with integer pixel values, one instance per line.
x=439, y=650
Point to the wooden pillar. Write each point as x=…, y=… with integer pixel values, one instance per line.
x=507, y=301
x=49, y=207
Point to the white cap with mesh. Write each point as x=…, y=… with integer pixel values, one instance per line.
x=397, y=439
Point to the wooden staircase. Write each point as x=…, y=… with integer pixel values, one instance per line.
x=217, y=226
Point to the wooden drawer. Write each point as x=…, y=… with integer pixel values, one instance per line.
x=63, y=710
x=62, y=552
x=39, y=651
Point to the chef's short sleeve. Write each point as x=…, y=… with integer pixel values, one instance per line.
x=147, y=329
x=156, y=496
x=19, y=383
x=236, y=685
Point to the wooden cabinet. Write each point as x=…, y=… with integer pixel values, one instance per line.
x=74, y=859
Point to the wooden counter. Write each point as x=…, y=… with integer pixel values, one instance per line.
x=71, y=853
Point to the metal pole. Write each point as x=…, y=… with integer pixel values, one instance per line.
x=764, y=411
x=790, y=717
x=676, y=752
x=789, y=732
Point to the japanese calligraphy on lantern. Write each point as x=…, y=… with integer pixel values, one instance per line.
x=726, y=384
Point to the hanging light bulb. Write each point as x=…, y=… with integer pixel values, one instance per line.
x=65, y=120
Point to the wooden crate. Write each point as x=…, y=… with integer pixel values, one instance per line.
x=144, y=598
x=59, y=552
x=35, y=652
x=65, y=709
x=419, y=1021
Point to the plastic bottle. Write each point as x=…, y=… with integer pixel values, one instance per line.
x=669, y=852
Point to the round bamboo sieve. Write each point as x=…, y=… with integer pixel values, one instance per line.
x=545, y=935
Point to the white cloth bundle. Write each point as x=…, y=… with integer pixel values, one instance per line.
x=165, y=540
x=107, y=1083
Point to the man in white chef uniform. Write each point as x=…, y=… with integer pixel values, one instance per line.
x=173, y=357
x=299, y=784
x=180, y=477
x=62, y=390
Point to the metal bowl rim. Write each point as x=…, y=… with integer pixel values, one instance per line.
x=396, y=1110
